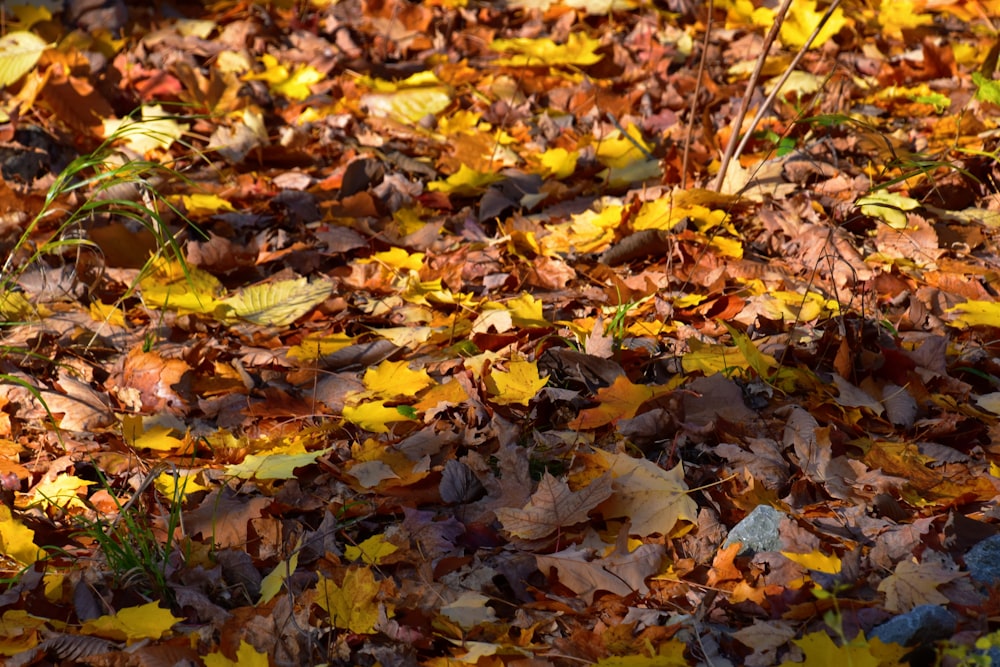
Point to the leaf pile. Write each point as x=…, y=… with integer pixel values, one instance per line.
x=464, y=359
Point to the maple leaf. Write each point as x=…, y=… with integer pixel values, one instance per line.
x=16, y=540
x=353, y=605
x=821, y=651
x=816, y=561
x=392, y=379
x=150, y=621
x=272, y=583
x=621, y=400
x=579, y=49
x=621, y=573
x=372, y=550
x=374, y=415
x=553, y=506
x=912, y=584
x=653, y=498
x=246, y=656
x=519, y=384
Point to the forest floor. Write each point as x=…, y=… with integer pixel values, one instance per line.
x=428, y=334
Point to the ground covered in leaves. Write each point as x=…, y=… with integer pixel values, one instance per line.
x=442, y=346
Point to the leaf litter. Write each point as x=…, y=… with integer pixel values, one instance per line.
x=442, y=348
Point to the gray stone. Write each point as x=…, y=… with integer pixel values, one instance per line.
x=983, y=561
x=923, y=624
x=758, y=531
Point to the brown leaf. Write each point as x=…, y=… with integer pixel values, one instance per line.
x=554, y=506
x=223, y=517
x=620, y=573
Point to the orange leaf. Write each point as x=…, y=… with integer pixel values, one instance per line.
x=621, y=400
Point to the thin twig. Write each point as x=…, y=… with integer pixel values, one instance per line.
x=697, y=93
x=772, y=34
x=784, y=77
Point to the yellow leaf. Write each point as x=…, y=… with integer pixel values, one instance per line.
x=821, y=651
x=296, y=86
x=271, y=584
x=169, y=284
x=372, y=550
x=653, y=498
x=897, y=15
x=558, y=163
x=315, y=346
x=669, y=654
x=526, y=311
x=102, y=312
x=63, y=491
x=888, y=206
x=354, y=605
x=373, y=416
x=159, y=439
x=19, y=53
x=272, y=465
x=800, y=21
x=16, y=540
x=395, y=378
x=132, y=624
x=177, y=488
x=816, y=561
x=465, y=182
x=619, y=151
x=579, y=49
x=200, y=204
x=519, y=384
x=156, y=128
x=281, y=303
x=975, y=313
x=19, y=632
x=246, y=656
x=408, y=105
x=396, y=258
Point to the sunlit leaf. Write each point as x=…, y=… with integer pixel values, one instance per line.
x=465, y=182
x=246, y=656
x=149, y=621
x=372, y=550
x=315, y=346
x=373, y=416
x=280, y=303
x=653, y=498
x=16, y=540
x=579, y=49
x=353, y=605
x=392, y=379
x=273, y=465
x=19, y=53
x=889, y=207
x=816, y=561
x=64, y=492
x=519, y=384
x=275, y=579
x=975, y=313
x=156, y=128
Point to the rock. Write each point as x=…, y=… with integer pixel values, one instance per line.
x=758, y=531
x=983, y=561
x=924, y=624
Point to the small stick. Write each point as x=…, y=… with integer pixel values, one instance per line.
x=784, y=77
x=772, y=34
x=697, y=94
